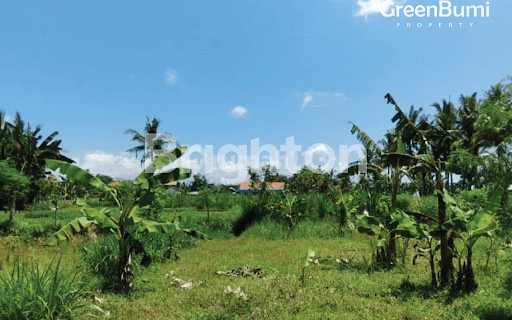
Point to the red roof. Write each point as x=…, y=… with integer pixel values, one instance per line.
x=270, y=186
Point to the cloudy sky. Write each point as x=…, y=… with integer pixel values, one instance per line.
x=227, y=72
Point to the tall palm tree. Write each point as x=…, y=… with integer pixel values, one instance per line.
x=151, y=127
x=28, y=155
x=26, y=150
x=442, y=133
x=434, y=165
x=409, y=136
x=494, y=126
x=467, y=114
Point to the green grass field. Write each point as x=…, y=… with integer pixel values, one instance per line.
x=347, y=288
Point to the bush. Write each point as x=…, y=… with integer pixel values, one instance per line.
x=223, y=201
x=426, y=205
x=216, y=224
x=404, y=201
x=317, y=206
x=476, y=197
x=156, y=245
x=101, y=259
x=31, y=293
x=93, y=202
x=252, y=212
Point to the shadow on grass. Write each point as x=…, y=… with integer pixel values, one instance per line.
x=407, y=290
x=494, y=313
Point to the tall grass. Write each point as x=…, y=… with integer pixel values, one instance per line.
x=29, y=292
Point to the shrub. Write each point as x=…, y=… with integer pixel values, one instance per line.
x=223, y=201
x=101, y=259
x=404, y=201
x=252, y=212
x=156, y=245
x=426, y=205
x=317, y=206
x=476, y=197
x=29, y=292
x=216, y=224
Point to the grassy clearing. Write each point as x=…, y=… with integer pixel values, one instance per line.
x=330, y=290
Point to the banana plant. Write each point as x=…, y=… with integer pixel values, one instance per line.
x=426, y=161
x=385, y=235
x=309, y=259
x=388, y=166
x=408, y=227
x=468, y=227
x=288, y=209
x=339, y=199
x=132, y=204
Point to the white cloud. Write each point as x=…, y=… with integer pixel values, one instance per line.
x=238, y=112
x=171, y=77
x=317, y=148
x=116, y=166
x=321, y=98
x=308, y=97
x=367, y=7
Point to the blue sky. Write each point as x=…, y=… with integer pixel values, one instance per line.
x=227, y=72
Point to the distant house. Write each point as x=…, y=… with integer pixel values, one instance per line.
x=249, y=187
x=172, y=187
x=115, y=184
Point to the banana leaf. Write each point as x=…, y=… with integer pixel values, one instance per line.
x=372, y=225
x=68, y=230
x=408, y=227
x=483, y=218
x=74, y=172
x=156, y=227
x=147, y=177
x=100, y=218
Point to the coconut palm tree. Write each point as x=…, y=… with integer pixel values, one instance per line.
x=467, y=114
x=442, y=132
x=434, y=165
x=151, y=127
x=26, y=150
x=494, y=125
x=22, y=147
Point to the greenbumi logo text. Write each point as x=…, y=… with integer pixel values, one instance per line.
x=445, y=9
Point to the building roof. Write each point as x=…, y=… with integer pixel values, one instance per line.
x=171, y=183
x=269, y=186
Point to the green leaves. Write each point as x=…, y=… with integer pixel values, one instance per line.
x=408, y=227
x=154, y=174
x=68, y=230
x=372, y=226
x=483, y=218
x=309, y=258
x=100, y=218
x=74, y=172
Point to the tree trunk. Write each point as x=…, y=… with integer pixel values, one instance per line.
x=391, y=249
x=433, y=268
x=125, y=262
x=446, y=251
x=469, y=276
x=504, y=196
x=12, y=210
